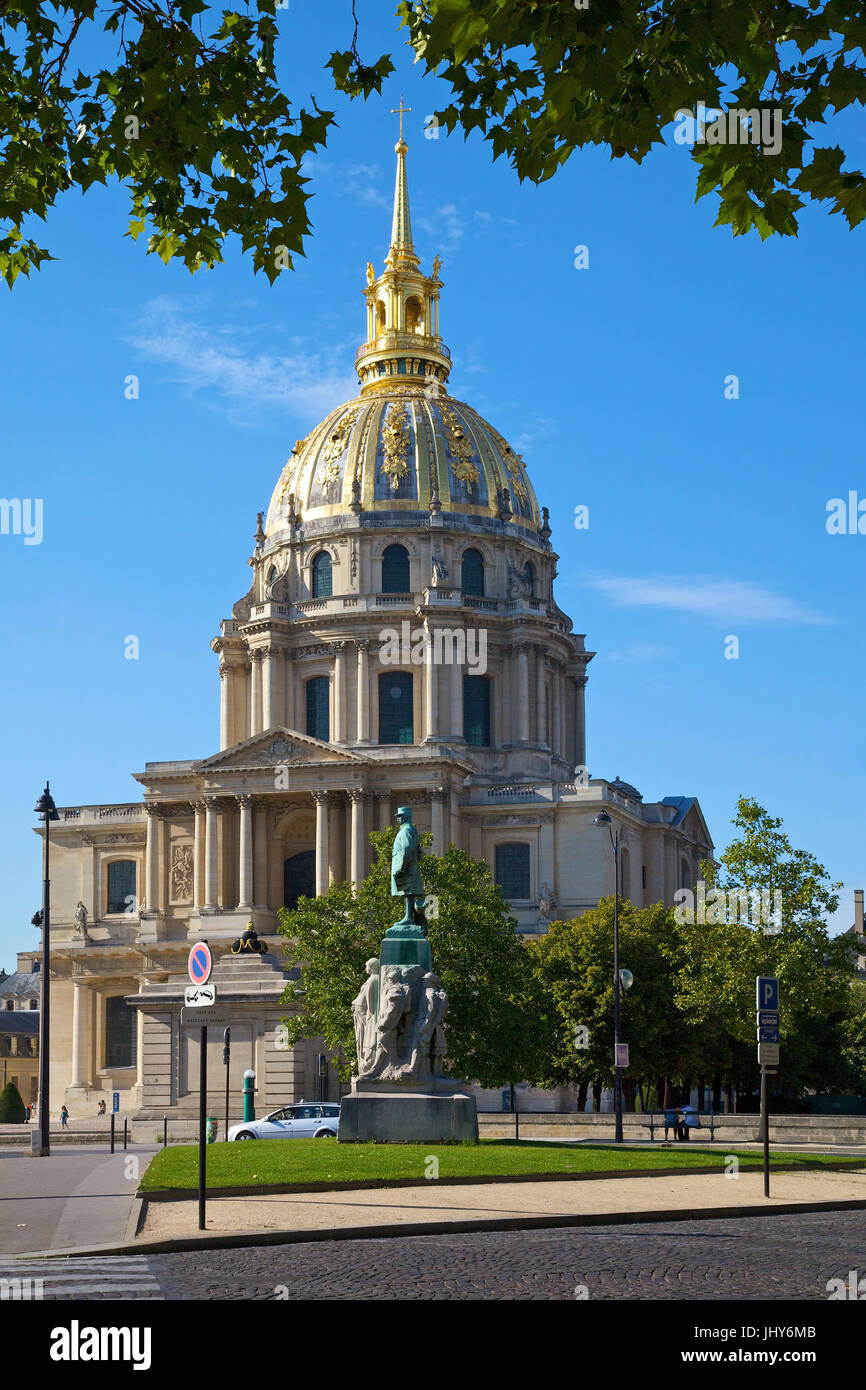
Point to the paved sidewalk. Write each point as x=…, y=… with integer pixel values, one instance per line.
x=510, y=1203
x=79, y=1196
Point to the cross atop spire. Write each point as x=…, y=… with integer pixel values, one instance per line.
x=401, y=111
x=402, y=249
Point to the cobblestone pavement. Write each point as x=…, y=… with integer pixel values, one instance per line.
x=759, y=1258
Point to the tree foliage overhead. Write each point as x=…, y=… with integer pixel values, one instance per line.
x=542, y=78
x=182, y=104
x=180, y=100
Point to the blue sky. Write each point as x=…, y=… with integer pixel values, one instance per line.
x=707, y=516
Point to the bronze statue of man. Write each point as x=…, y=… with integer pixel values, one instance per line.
x=406, y=870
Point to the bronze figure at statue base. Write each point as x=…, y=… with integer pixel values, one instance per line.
x=400, y=1094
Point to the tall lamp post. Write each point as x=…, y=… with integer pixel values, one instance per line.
x=41, y=1142
x=604, y=819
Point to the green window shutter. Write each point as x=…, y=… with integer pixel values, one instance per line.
x=512, y=870
x=323, y=584
x=395, y=570
x=121, y=884
x=472, y=573
x=476, y=711
x=120, y=1032
x=395, y=708
x=318, y=713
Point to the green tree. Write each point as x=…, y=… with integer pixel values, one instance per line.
x=12, y=1108
x=543, y=78
x=716, y=986
x=180, y=101
x=574, y=961
x=854, y=1041
x=495, y=1021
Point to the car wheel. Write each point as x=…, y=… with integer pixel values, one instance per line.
x=247, y=1134
x=324, y=1134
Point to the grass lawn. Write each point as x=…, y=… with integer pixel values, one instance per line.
x=281, y=1161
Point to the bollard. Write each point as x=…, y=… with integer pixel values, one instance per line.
x=712, y=1127
x=112, y=1131
x=249, y=1096
x=124, y=1133
x=165, y=1131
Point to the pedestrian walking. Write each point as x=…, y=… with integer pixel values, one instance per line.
x=64, y=1117
x=100, y=1109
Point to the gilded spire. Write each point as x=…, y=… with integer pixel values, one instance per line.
x=402, y=250
x=403, y=306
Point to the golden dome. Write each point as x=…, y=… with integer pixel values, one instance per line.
x=404, y=444
x=403, y=448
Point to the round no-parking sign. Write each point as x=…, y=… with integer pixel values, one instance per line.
x=200, y=963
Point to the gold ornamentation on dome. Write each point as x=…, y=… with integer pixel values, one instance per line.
x=329, y=475
x=288, y=473
x=519, y=490
x=371, y=274
x=460, y=448
x=337, y=440
x=395, y=442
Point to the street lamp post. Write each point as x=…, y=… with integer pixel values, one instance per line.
x=41, y=1142
x=604, y=819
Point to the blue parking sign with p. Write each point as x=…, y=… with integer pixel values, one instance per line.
x=767, y=992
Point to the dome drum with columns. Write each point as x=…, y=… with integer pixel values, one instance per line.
x=400, y=643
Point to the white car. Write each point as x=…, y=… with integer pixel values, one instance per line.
x=304, y=1121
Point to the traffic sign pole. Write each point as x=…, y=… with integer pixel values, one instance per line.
x=202, y=1129
x=767, y=1020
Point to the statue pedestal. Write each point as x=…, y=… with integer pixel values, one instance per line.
x=411, y=1103
x=438, y=1112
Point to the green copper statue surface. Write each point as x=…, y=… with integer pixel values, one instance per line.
x=406, y=870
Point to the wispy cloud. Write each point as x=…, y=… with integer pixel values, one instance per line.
x=365, y=183
x=707, y=596
x=207, y=358
x=446, y=228
x=539, y=429
x=635, y=653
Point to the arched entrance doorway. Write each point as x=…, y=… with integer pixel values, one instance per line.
x=299, y=877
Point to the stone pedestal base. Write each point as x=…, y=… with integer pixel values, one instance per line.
x=401, y=1116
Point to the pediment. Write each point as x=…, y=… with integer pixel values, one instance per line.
x=277, y=747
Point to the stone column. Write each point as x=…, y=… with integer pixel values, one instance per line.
x=270, y=692
x=456, y=701
x=289, y=692
x=455, y=819
x=540, y=698
x=383, y=802
x=358, y=846
x=563, y=710
x=362, y=729
x=321, y=799
x=431, y=681
x=225, y=711
x=437, y=819
x=338, y=734
x=151, y=860
x=522, y=651
x=580, y=721
x=79, y=1034
x=255, y=692
x=260, y=855
x=245, y=877
x=198, y=855
x=211, y=858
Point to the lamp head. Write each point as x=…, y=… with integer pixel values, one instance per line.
x=45, y=805
x=626, y=979
x=601, y=819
